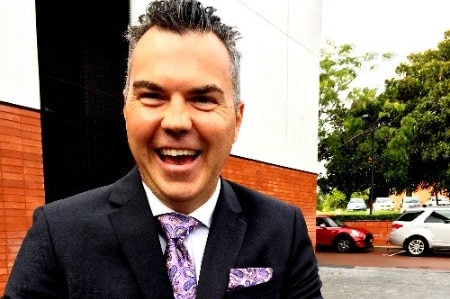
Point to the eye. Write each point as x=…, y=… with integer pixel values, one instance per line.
x=151, y=98
x=148, y=93
x=203, y=102
x=203, y=99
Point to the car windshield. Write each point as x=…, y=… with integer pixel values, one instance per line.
x=333, y=222
x=382, y=200
x=411, y=200
x=356, y=200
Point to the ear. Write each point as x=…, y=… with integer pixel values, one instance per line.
x=239, y=116
x=124, y=93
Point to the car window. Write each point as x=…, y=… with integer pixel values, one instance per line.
x=337, y=222
x=319, y=221
x=446, y=213
x=436, y=217
x=409, y=216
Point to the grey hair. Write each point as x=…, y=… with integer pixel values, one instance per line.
x=183, y=16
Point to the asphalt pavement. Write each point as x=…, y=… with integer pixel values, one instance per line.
x=383, y=283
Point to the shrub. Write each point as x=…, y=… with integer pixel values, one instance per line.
x=376, y=216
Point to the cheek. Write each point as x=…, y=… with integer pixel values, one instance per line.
x=218, y=132
x=139, y=125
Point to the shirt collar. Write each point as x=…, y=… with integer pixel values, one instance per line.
x=203, y=213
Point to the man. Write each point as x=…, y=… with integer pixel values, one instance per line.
x=183, y=114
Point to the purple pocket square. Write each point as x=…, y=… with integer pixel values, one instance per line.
x=247, y=277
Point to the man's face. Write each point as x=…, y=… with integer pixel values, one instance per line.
x=179, y=113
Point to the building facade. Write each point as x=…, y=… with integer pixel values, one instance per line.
x=61, y=129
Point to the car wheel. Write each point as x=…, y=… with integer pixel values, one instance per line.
x=343, y=244
x=416, y=246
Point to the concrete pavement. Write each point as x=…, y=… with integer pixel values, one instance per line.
x=383, y=283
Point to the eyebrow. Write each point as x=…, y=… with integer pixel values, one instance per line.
x=207, y=89
x=196, y=90
x=147, y=84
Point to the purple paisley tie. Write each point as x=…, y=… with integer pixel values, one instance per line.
x=180, y=267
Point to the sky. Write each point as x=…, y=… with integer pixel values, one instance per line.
x=397, y=26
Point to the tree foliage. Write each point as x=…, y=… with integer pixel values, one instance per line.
x=344, y=136
x=409, y=122
x=420, y=99
x=332, y=201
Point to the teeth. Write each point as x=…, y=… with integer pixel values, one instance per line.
x=177, y=152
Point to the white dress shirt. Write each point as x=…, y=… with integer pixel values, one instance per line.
x=196, y=241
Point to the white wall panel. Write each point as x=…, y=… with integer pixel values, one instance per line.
x=19, y=73
x=273, y=12
x=305, y=23
x=302, y=114
x=264, y=89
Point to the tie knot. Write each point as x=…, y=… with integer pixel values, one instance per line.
x=177, y=226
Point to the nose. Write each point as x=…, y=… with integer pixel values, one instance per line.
x=176, y=117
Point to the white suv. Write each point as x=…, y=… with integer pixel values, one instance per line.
x=420, y=230
x=441, y=201
x=409, y=202
x=383, y=204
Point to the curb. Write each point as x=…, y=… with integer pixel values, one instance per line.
x=388, y=248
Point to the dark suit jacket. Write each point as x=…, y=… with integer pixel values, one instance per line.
x=104, y=243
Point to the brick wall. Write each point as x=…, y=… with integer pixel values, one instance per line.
x=379, y=229
x=21, y=180
x=293, y=186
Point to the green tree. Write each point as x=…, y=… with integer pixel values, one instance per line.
x=410, y=122
x=333, y=200
x=420, y=99
x=344, y=136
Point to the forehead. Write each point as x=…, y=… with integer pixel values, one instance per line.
x=193, y=57
x=161, y=43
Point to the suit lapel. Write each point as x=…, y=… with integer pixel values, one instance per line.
x=136, y=231
x=224, y=241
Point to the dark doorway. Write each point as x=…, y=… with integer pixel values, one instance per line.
x=82, y=63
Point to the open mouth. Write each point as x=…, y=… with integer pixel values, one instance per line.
x=177, y=156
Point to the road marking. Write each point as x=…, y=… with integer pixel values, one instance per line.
x=395, y=253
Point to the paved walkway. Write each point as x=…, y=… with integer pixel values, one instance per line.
x=384, y=283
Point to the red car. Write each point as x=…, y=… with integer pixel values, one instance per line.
x=331, y=232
